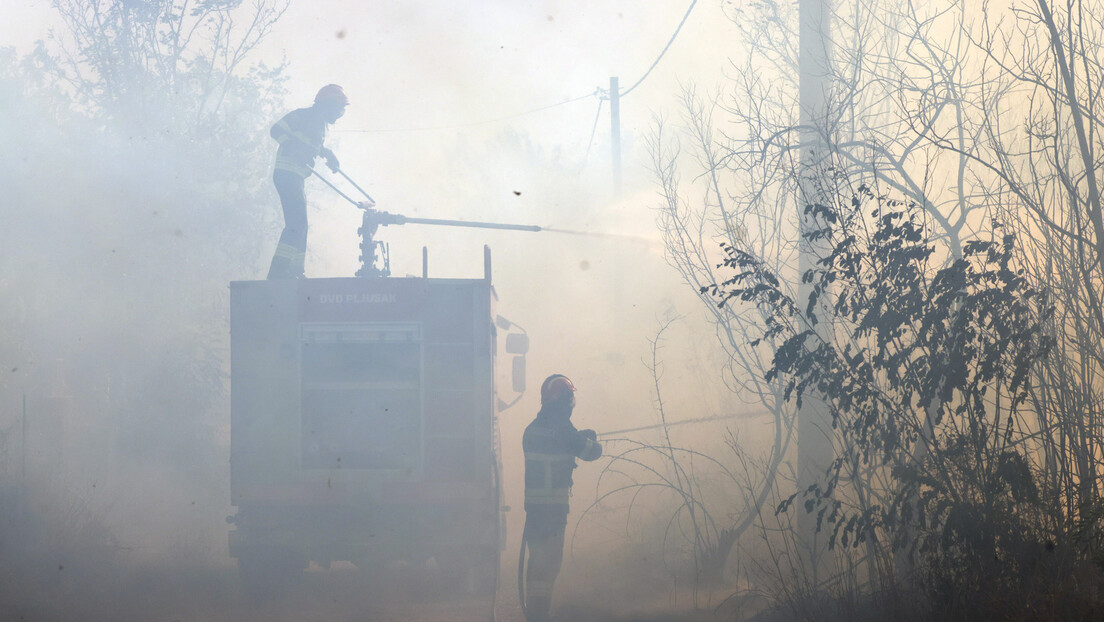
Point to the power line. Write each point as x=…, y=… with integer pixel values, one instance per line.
x=593, y=129
x=684, y=17
x=594, y=93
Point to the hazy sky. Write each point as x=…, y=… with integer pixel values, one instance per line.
x=424, y=75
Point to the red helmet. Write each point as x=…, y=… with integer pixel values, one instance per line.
x=332, y=93
x=555, y=388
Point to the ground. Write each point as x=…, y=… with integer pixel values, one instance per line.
x=340, y=594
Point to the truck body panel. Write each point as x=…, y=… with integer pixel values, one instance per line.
x=363, y=421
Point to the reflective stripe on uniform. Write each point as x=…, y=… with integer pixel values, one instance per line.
x=286, y=251
x=548, y=495
x=282, y=124
x=543, y=494
x=298, y=263
x=301, y=134
x=291, y=166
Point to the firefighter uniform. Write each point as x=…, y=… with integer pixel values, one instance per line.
x=551, y=444
x=301, y=134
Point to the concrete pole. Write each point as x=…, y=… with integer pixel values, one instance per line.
x=813, y=420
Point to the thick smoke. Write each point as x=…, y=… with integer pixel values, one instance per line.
x=123, y=228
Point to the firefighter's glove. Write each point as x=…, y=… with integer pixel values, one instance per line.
x=591, y=434
x=331, y=161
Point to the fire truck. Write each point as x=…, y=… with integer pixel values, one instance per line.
x=364, y=421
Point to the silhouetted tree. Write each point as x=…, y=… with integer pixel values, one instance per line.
x=970, y=117
x=137, y=190
x=927, y=374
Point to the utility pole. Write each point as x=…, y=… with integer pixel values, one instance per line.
x=615, y=132
x=813, y=420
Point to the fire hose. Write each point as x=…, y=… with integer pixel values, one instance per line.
x=521, y=569
x=361, y=204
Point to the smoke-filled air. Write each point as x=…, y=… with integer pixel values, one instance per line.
x=574, y=311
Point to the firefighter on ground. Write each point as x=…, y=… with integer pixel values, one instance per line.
x=551, y=445
x=301, y=134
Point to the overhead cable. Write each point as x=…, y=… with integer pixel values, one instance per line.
x=684, y=17
x=593, y=129
x=474, y=123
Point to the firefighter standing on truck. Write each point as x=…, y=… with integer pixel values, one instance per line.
x=301, y=134
x=551, y=444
